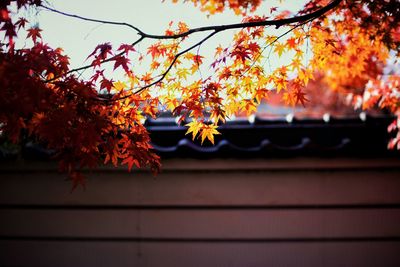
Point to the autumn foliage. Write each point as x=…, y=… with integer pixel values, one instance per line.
x=345, y=44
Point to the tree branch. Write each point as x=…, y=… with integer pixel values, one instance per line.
x=164, y=74
x=278, y=23
x=101, y=62
x=215, y=29
x=93, y=20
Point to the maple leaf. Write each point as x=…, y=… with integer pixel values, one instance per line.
x=126, y=48
x=300, y=97
x=240, y=53
x=254, y=48
x=291, y=43
x=394, y=125
x=296, y=64
x=288, y=99
x=103, y=50
x=305, y=75
x=218, y=50
x=283, y=14
x=122, y=61
x=119, y=86
x=194, y=68
x=169, y=32
x=280, y=83
x=21, y=22
x=182, y=27
x=106, y=84
x=225, y=74
x=208, y=131
x=198, y=59
x=154, y=65
x=147, y=78
x=156, y=50
x=217, y=114
x=34, y=33
x=194, y=128
x=182, y=73
x=280, y=49
x=9, y=29
x=260, y=94
x=248, y=106
x=130, y=161
x=97, y=75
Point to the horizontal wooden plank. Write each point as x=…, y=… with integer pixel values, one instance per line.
x=227, y=164
x=351, y=254
x=206, y=188
x=220, y=224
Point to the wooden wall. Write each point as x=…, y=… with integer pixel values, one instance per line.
x=288, y=212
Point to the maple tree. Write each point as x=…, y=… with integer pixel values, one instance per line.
x=345, y=44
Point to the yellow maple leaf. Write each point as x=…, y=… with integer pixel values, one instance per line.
x=188, y=56
x=182, y=73
x=280, y=49
x=280, y=83
x=194, y=128
x=296, y=64
x=248, y=106
x=208, y=131
x=119, y=86
x=305, y=75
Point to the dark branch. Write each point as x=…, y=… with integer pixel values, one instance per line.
x=271, y=45
x=215, y=29
x=164, y=74
x=101, y=62
x=174, y=60
x=278, y=23
x=94, y=20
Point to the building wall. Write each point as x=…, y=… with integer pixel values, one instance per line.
x=287, y=212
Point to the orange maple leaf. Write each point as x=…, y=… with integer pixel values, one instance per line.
x=291, y=43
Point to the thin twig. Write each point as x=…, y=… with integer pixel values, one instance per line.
x=277, y=22
x=90, y=65
x=302, y=19
x=174, y=60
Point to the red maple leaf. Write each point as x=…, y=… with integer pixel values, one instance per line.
x=198, y=59
x=156, y=50
x=104, y=50
x=240, y=53
x=122, y=61
x=300, y=97
x=97, y=75
x=126, y=48
x=34, y=33
x=106, y=84
x=254, y=47
x=291, y=42
x=9, y=29
x=131, y=161
x=21, y=22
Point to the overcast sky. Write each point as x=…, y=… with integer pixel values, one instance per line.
x=79, y=38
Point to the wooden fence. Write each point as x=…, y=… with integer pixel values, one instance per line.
x=286, y=212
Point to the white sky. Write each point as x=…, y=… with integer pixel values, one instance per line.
x=79, y=38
